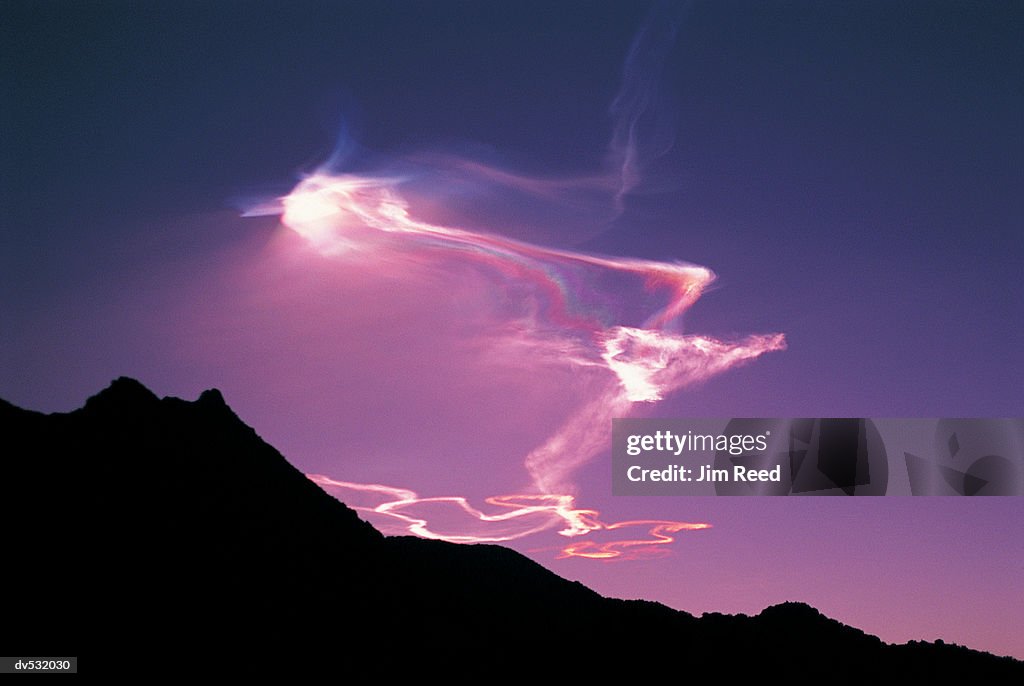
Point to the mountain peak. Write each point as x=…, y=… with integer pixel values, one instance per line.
x=126, y=384
x=212, y=397
x=123, y=390
x=791, y=609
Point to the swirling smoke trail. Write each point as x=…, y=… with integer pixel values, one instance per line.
x=571, y=308
x=367, y=216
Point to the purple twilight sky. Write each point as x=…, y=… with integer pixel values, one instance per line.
x=521, y=184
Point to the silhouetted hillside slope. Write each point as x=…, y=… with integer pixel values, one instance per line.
x=160, y=525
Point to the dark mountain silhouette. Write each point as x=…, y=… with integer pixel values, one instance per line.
x=169, y=531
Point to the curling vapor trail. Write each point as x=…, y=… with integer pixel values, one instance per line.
x=367, y=217
x=523, y=515
x=611, y=320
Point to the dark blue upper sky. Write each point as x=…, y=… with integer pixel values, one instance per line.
x=853, y=172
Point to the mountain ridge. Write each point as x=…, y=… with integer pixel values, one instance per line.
x=192, y=520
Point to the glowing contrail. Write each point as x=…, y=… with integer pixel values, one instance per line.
x=538, y=512
x=632, y=549
x=334, y=212
x=572, y=311
x=348, y=214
